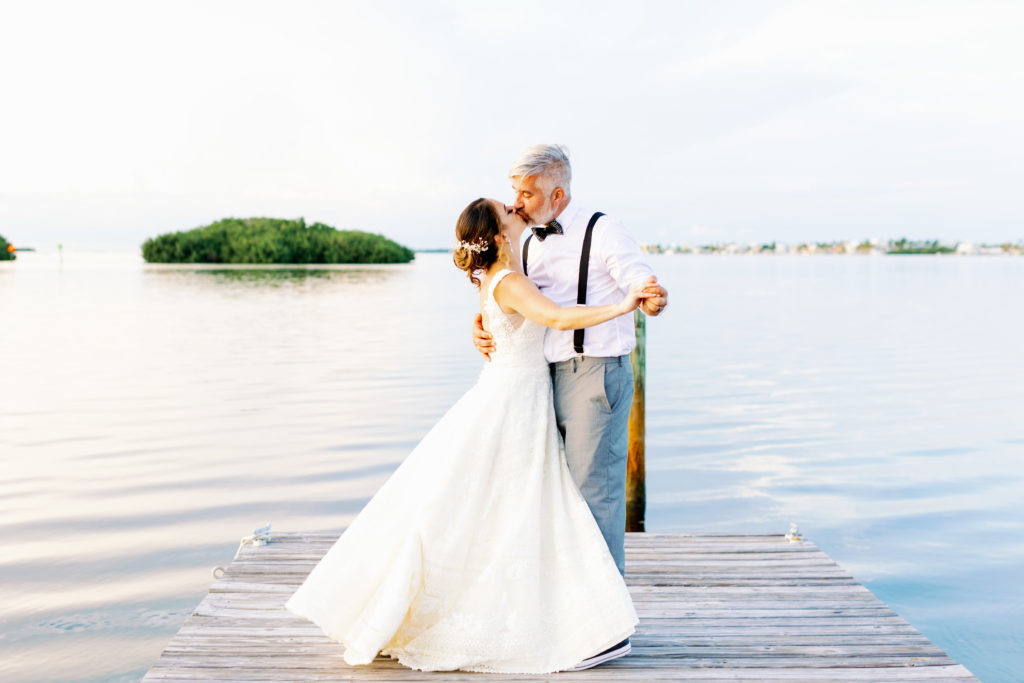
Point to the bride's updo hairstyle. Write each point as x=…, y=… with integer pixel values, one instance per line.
x=478, y=233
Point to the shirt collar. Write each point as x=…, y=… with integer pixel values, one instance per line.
x=565, y=219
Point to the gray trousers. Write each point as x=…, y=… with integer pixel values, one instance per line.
x=592, y=401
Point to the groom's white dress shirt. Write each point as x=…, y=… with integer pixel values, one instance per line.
x=616, y=264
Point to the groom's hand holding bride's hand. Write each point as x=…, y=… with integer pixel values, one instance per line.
x=482, y=339
x=656, y=299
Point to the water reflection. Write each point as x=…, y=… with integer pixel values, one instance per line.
x=274, y=276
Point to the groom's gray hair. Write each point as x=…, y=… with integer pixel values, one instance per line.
x=551, y=161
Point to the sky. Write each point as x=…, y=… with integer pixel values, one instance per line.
x=692, y=122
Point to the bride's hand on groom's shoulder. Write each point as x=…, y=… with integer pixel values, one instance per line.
x=482, y=339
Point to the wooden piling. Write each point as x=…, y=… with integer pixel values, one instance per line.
x=636, y=491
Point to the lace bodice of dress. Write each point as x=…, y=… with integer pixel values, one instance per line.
x=518, y=341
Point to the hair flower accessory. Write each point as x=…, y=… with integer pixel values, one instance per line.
x=476, y=246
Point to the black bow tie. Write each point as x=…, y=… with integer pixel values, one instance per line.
x=552, y=228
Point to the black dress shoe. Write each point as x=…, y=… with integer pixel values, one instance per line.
x=614, y=652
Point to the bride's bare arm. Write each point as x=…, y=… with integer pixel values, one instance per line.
x=516, y=294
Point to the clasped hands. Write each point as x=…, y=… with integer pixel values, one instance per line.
x=657, y=300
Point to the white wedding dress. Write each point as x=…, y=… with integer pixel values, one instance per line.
x=478, y=553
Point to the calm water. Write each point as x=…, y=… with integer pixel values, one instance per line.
x=151, y=416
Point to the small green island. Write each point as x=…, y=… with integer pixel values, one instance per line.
x=272, y=241
x=6, y=254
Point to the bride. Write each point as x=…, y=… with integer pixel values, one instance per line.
x=479, y=553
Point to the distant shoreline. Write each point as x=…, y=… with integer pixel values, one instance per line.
x=901, y=247
x=729, y=248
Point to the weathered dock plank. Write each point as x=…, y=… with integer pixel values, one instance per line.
x=712, y=607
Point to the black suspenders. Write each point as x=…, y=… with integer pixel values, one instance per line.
x=581, y=290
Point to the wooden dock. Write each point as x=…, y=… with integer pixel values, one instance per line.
x=713, y=607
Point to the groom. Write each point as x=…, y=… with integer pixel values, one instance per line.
x=590, y=370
